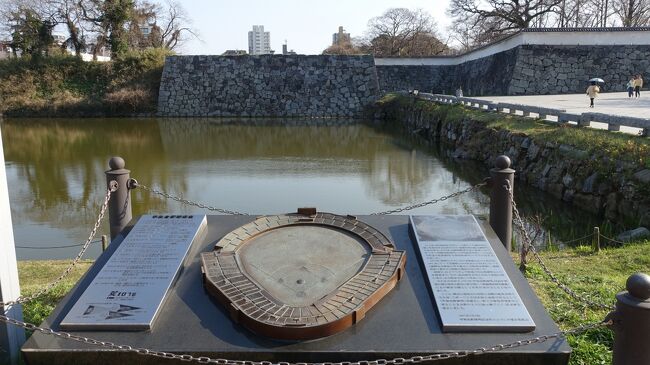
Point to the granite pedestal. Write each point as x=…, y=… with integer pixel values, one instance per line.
x=403, y=324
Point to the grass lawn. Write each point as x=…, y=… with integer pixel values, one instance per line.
x=596, y=275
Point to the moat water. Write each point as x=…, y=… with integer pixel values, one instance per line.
x=55, y=172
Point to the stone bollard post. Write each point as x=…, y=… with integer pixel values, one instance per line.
x=595, y=240
x=631, y=322
x=500, y=204
x=119, y=208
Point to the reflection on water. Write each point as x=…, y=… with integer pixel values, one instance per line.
x=55, y=171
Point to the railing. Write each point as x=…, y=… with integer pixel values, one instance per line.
x=613, y=122
x=630, y=319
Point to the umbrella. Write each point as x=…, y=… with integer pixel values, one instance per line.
x=596, y=79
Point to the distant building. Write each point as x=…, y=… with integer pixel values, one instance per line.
x=234, y=52
x=59, y=39
x=146, y=29
x=285, y=51
x=340, y=37
x=259, y=41
x=5, y=49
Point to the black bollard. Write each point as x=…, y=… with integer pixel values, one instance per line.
x=631, y=322
x=119, y=208
x=500, y=204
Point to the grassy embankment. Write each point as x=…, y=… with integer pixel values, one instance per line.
x=618, y=146
x=63, y=85
x=575, y=267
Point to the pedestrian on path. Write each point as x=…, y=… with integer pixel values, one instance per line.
x=638, y=84
x=630, y=87
x=592, y=92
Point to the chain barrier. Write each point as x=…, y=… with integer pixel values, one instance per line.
x=395, y=361
x=208, y=360
x=185, y=201
x=432, y=201
x=48, y=287
x=576, y=239
x=234, y=212
x=54, y=247
x=520, y=225
x=612, y=240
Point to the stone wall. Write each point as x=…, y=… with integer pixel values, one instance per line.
x=268, y=85
x=490, y=75
x=424, y=78
x=566, y=69
x=525, y=70
x=619, y=190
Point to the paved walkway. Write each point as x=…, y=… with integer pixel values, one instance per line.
x=608, y=103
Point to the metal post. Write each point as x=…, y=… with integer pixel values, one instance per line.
x=523, y=253
x=11, y=337
x=631, y=322
x=595, y=240
x=104, y=242
x=500, y=204
x=119, y=208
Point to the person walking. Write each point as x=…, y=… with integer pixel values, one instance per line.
x=630, y=87
x=638, y=84
x=592, y=92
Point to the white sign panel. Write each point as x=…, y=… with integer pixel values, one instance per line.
x=129, y=290
x=471, y=289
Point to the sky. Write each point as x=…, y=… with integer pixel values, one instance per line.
x=306, y=25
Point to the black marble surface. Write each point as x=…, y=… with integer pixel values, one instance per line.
x=403, y=324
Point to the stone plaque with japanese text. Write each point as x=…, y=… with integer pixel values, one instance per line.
x=129, y=290
x=471, y=290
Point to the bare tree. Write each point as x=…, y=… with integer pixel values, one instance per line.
x=632, y=13
x=69, y=13
x=169, y=26
x=504, y=16
x=403, y=32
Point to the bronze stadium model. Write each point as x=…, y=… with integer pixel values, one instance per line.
x=301, y=276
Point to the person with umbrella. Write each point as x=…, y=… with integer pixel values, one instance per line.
x=593, y=90
x=638, y=84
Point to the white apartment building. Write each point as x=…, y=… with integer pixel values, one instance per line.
x=259, y=41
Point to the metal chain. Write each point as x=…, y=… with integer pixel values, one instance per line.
x=395, y=361
x=520, y=224
x=613, y=240
x=54, y=247
x=576, y=239
x=48, y=287
x=234, y=212
x=432, y=201
x=185, y=201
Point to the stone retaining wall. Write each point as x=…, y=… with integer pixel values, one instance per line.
x=619, y=190
x=423, y=78
x=269, y=85
x=566, y=69
x=525, y=70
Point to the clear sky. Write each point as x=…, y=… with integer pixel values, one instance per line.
x=306, y=25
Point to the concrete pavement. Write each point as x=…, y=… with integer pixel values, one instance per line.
x=609, y=103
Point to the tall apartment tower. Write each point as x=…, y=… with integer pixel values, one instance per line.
x=259, y=41
x=340, y=37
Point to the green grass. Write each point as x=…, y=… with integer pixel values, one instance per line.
x=615, y=146
x=34, y=275
x=574, y=267
x=577, y=269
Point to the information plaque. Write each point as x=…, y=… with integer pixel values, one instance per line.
x=471, y=290
x=129, y=290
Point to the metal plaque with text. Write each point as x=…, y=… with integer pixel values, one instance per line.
x=129, y=290
x=472, y=291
